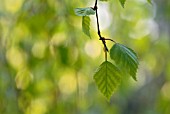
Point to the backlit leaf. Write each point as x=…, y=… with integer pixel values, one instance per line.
x=122, y=2
x=107, y=78
x=84, y=11
x=126, y=58
x=149, y=1
x=86, y=25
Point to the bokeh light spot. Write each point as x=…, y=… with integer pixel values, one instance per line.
x=38, y=49
x=67, y=83
x=13, y=5
x=16, y=58
x=23, y=79
x=93, y=48
x=165, y=90
x=37, y=106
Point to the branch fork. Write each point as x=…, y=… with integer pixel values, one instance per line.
x=99, y=33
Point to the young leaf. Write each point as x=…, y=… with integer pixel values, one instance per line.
x=107, y=78
x=84, y=11
x=149, y=1
x=122, y=2
x=126, y=58
x=86, y=25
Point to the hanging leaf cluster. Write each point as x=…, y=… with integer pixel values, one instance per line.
x=125, y=61
x=108, y=76
x=85, y=12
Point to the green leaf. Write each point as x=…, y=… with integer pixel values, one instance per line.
x=107, y=78
x=86, y=25
x=149, y=1
x=126, y=58
x=84, y=11
x=122, y=2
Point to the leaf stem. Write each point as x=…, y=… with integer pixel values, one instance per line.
x=108, y=39
x=105, y=54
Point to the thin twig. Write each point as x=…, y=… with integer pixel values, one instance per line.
x=98, y=27
x=110, y=40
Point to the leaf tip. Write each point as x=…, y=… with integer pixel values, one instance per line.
x=150, y=2
x=108, y=99
x=135, y=79
x=122, y=2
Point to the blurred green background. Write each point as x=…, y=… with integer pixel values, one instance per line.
x=47, y=63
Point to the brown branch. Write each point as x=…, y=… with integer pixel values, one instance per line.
x=98, y=27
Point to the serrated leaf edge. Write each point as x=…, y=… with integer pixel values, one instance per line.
x=118, y=83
